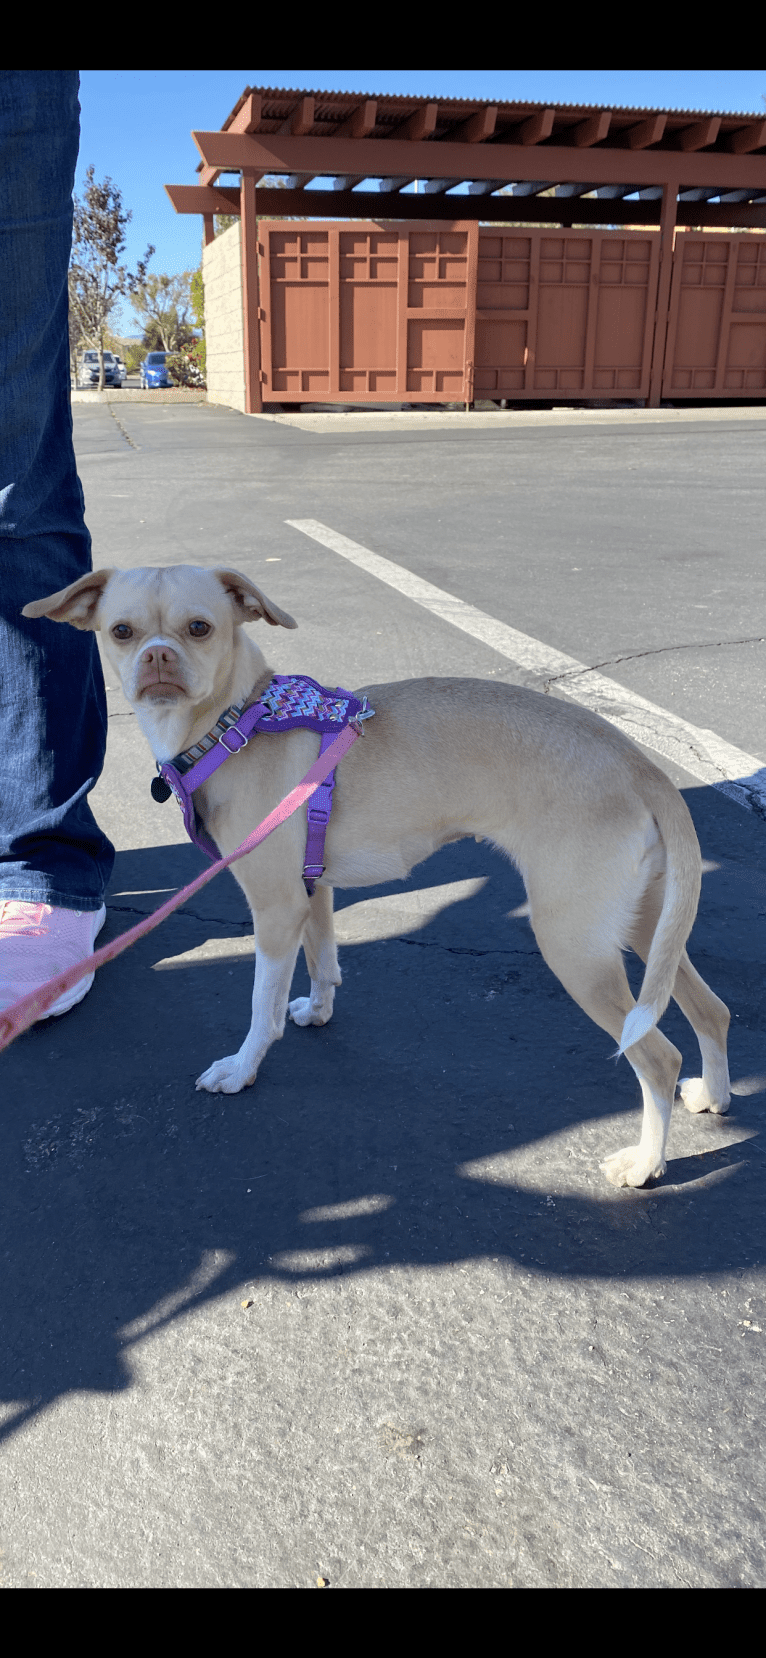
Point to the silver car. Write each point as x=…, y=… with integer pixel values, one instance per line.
x=88, y=370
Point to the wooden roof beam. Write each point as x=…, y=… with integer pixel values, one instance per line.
x=646, y=132
x=202, y=198
x=247, y=119
x=477, y=129
x=590, y=132
x=537, y=127
x=328, y=205
x=298, y=123
x=419, y=125
x=360, y=123
x=558, y=164
x=746, y=139
x=301, y=118
x=700, y=136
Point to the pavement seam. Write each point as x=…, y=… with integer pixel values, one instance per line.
x=121, y=429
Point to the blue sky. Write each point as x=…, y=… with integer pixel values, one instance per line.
x=136, y=124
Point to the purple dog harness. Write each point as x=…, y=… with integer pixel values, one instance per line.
x=290, y=701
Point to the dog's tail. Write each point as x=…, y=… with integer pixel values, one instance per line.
x=683, y=877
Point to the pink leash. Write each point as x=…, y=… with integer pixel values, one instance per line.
x=25, y=1012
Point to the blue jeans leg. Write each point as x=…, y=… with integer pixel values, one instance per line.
x=52, y=698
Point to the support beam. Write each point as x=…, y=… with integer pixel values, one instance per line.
x=201, y=198
x=331, y=157
x=370, y=205
x=250, y=297
x=667, y=232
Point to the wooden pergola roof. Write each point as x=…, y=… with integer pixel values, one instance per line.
x=688, y=166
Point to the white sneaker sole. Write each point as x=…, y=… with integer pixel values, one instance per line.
x=78, y=991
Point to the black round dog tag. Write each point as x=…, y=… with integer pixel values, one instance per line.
x=160, y=789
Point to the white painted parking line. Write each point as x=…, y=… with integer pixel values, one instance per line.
x=701, y=753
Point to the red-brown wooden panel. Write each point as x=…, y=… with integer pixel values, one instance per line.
x=564, y=313
x=367, y=312
x=717, y=330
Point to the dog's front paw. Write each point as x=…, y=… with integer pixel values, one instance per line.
x=631, y=1167
x=305, y=1012
x=226, y=1076
x=696, y=1096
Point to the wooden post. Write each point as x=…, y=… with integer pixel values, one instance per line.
x=667, y=232
x=250, y=296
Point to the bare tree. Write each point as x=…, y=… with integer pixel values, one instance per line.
x=96, y=277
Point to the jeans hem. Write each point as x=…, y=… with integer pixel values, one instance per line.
x=16, y=894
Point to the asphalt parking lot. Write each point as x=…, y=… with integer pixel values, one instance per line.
x=379, y=1321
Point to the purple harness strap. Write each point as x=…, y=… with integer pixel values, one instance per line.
x=290, y=701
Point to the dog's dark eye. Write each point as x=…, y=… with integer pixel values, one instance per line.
x=121, y=631
x=199, y=630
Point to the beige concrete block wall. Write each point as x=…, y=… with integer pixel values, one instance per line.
x=224, y=332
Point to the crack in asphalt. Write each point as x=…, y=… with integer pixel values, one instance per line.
x=420, y=943
x=753, y=800
x=452, y=949
x=190, y=915
x=661, y=650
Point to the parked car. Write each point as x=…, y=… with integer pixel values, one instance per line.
x=120, y=372
x=154, y=371
x=88, y=370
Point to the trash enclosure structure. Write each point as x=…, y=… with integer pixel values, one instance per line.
x=550, y=254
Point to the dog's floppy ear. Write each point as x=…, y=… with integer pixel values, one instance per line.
x=76, y=604
x=250, y=603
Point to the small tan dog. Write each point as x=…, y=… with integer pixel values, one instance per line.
x=603, y=840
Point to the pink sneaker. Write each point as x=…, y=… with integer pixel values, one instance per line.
x=37, y=941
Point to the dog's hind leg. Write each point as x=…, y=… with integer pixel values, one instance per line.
x=595, y=977
x=322, y=962
x=708, y=1016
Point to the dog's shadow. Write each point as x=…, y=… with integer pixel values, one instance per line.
x=457, y=1106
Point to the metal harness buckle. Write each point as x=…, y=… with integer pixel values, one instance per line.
x=228, y=732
